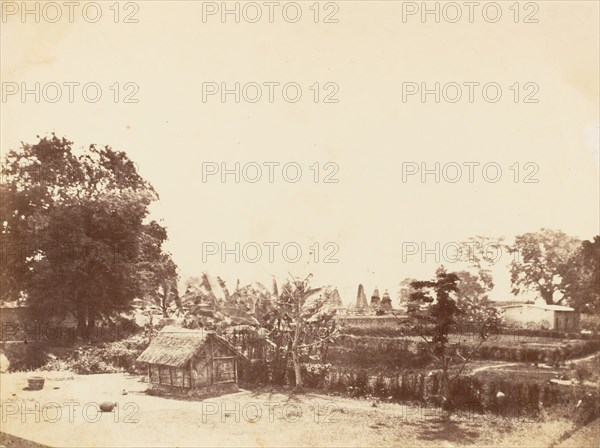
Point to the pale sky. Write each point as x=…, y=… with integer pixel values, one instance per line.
x=370, y=214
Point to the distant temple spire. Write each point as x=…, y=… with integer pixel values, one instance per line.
x=335, y=298
x=375, y=299
x=361, y=298
x=386, y=301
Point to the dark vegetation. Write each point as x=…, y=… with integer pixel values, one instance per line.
x=523, y=399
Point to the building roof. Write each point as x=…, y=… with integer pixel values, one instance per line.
x=544, y=307
x=372, y=317
x=555, y=307
x=175, y=346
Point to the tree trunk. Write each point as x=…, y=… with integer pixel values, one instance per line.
x=165, y=300
x=165, y=311
x=445, y=384
x=81, y=324
x=324, y=350
x=547, y=293
x=297, y=369
x=285, y=362
x=81, y=320
x=91, y=322
x=150, y=327
x=295, y=351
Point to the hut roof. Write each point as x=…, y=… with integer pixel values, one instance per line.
x=175, y=346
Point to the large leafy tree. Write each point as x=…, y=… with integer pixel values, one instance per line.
x=75, y=236
x=583, y=280
x=543, y=263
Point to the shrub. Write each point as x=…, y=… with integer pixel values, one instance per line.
x=380, y=387
x=590, y=322
x=465, y=393
x=109, y=357
x=254, y=372
x=314, y=375
x=382, y=353
x=359, y=384
x=582, y=372
x=89, y=361
x=24, y=356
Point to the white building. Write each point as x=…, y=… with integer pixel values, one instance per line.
x=553, y=317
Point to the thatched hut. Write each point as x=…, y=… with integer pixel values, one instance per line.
x=192, y=362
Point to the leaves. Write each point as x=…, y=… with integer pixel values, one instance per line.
x=472, y=301
x=542, y=262
x=583, y=278
x=74, y=236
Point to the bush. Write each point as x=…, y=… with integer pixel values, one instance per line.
x=86, y=361
x=582, y=372
x=381, y=353
x=578, y=404
x=109, y=357
x=252, y=373
x=359, y=384
x=314, y=375
x=24, y=356
x=465, y=393
x=389, y=332
x=381, y=388
x=550, y=354
x=590, y=322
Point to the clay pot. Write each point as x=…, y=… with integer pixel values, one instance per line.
x=35, y=382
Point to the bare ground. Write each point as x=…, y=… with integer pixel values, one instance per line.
x=64, y=413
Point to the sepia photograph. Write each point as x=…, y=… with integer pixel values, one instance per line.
x=310, y=223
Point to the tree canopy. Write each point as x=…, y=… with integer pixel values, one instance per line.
x=583, y=279
x=543, y=263
x=75, y=236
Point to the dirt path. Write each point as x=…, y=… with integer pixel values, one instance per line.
x=510, y=364
x=491, y=366
x=587, y=358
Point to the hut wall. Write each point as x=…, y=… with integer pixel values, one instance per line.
x=201, y=371
x=169, y=376
x=153, y=373
x=225, y=370
x=213, y=365
x=206, y=391
x=223, y=363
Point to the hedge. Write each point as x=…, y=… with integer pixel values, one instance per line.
x=404, y=330
x=396, y=354
x=519, y=399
